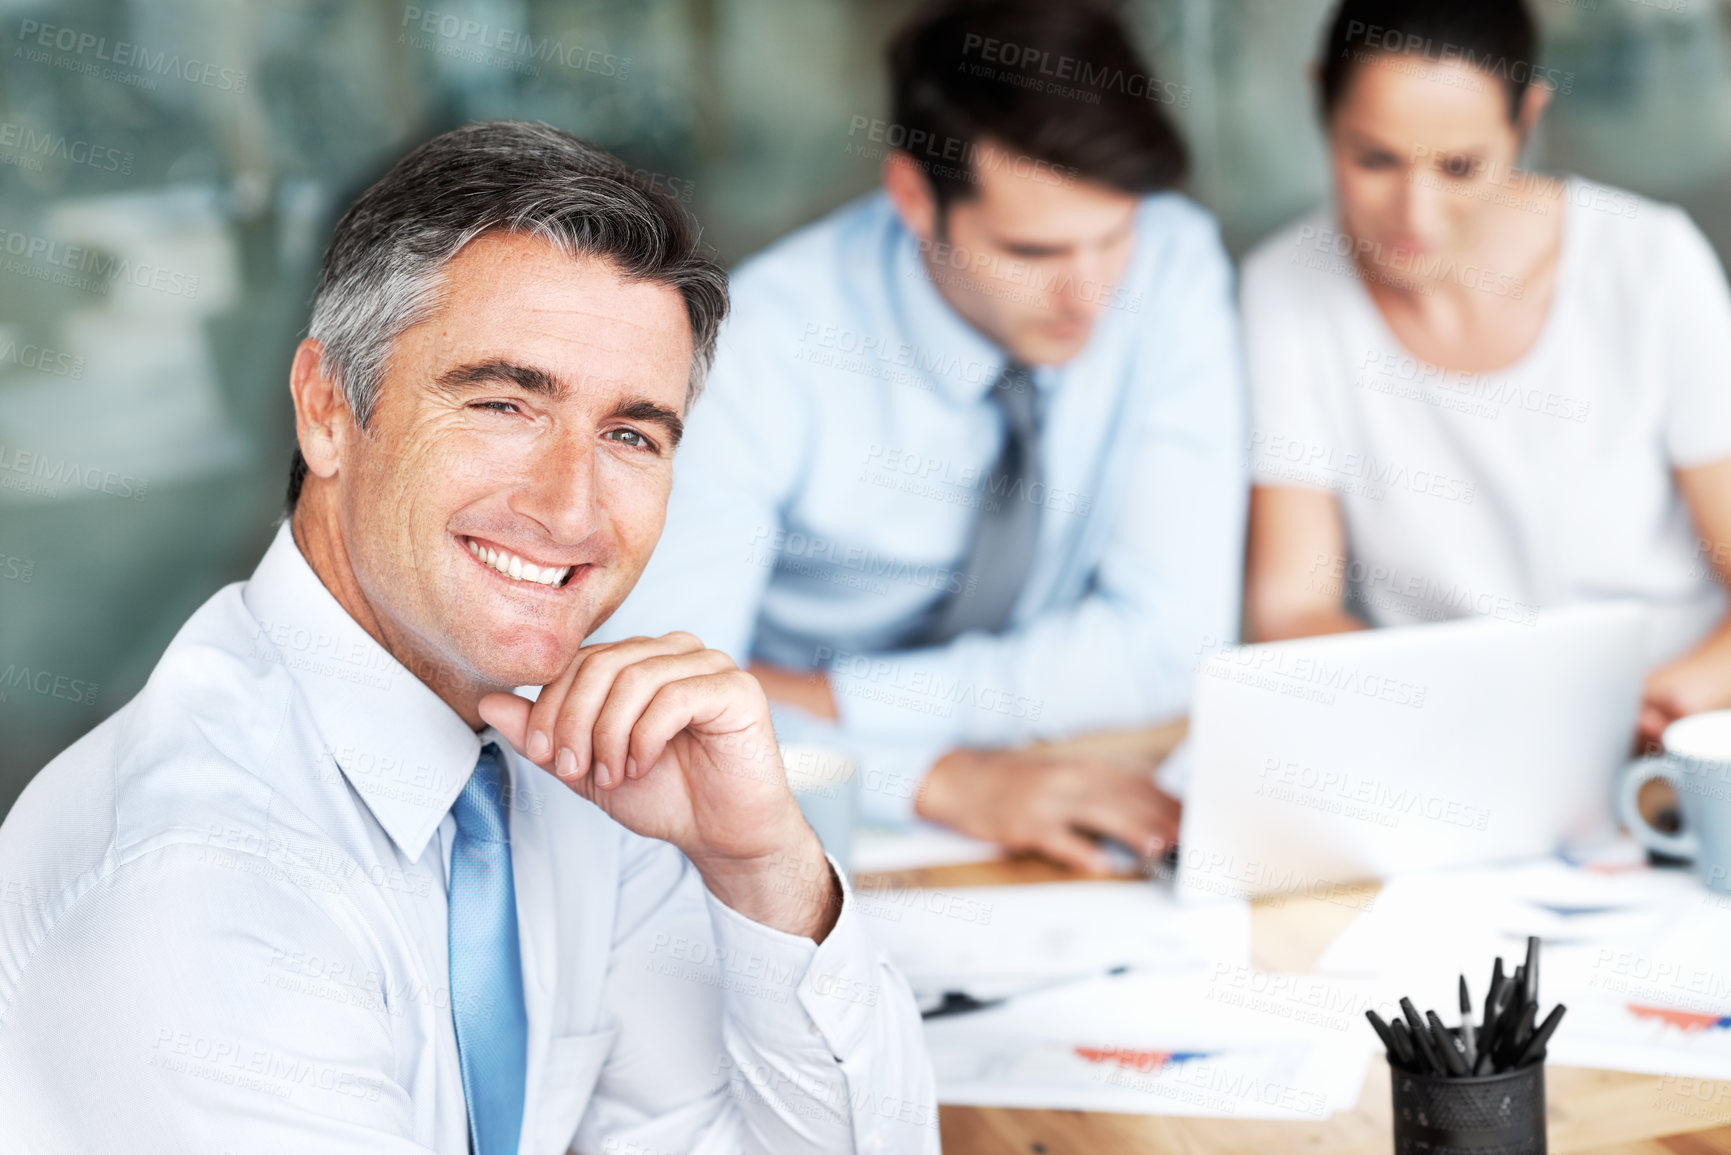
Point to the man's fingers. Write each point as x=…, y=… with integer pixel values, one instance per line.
x=622, y=710
x=544, y=713
x=1127, y=807
x=569, y=721
x=727, y=697
x=1144, y=828
x=1169, y=815
x=509, y=714
x=1072, y=850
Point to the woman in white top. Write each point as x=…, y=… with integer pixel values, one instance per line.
x=1479, y=391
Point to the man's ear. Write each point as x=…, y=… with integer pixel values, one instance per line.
x=912, y=195
x=322, y=419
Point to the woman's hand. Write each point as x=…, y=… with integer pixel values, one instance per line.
x=1697, y=682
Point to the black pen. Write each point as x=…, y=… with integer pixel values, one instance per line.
x=1531, y=993
x=1511, y=1038
x=1535, y=1048
x=1468, y=1048
x=1421, y=1039
x=1496, y=1009
x=1517, y=998
x=1524, y=1027
x=1487, y=1040
x=1403, y=1045
x=962, y=1003
x=1446, y=1044
x=1498, y=1040
x=1495, y=992
x=1382, y=1031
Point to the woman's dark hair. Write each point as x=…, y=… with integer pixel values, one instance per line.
x=1056, y=80
x=1498, y=37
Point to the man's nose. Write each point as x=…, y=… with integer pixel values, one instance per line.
x=561, y=493
x=1082, y=286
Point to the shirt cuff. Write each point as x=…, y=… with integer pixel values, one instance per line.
x=785, y=988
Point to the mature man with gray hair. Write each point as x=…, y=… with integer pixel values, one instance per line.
x=309, y=890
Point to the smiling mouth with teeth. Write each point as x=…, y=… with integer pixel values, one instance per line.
x=516, y=568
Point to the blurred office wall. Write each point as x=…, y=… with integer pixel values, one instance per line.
x=170, y=169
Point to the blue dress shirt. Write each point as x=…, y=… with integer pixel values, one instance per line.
x=826, y=490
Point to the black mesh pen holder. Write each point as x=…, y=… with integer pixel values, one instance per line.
x=1488, y=1115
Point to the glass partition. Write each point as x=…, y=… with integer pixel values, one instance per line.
x=169, y=172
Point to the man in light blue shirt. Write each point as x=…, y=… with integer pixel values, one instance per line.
x=969, y=474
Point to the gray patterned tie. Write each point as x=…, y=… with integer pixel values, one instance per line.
x=1007, y=528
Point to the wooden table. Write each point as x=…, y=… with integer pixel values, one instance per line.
x=1596, y=1112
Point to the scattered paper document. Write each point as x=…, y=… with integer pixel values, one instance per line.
x=1641, y=956
x=1455, y=918
x=991, y=940
x=1226, y=1042
x=878, y=849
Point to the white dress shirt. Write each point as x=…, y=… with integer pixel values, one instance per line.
x=223, y=929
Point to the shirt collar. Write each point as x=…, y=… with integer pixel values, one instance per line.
x=949, y=351
x=402, y=748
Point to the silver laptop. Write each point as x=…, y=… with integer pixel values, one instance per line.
x=1325, y=761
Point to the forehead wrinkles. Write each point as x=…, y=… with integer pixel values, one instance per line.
x=588, y=309
x=593, y=337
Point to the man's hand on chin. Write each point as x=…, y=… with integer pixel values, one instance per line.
x=674, y=741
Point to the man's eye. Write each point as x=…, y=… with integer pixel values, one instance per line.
x=1460, y=167
x=1375, y=160
x=496, y=406
x=630, y=437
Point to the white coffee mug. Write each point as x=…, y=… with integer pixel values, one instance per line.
x=825, y=783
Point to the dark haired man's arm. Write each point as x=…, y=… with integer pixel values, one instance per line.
x=1125, y=654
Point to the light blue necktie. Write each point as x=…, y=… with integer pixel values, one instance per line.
x=486, y=963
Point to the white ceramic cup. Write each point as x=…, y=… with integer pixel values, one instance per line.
x=825, y=783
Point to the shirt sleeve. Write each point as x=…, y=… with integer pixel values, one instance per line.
x=736, y=1037
x=151, y=1020
x=1696, y=347
x=741, y=458
x=1288, y=426
x=1167, y=585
